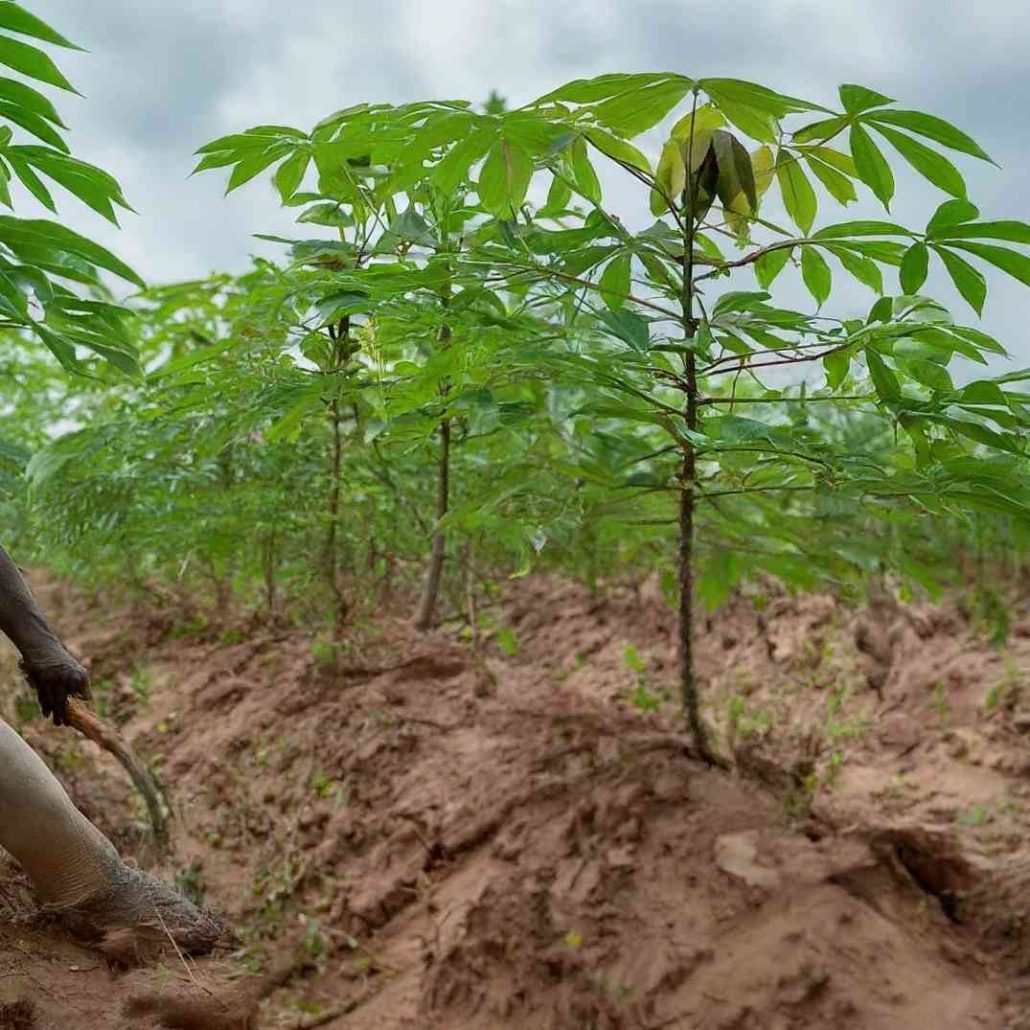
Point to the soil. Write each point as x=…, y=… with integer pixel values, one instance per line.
x=408, y=837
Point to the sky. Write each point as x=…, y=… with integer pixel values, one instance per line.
x=160, y=79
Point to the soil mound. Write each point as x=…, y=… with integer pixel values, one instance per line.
x=521, y=841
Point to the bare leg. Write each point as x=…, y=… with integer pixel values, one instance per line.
x=75, y=868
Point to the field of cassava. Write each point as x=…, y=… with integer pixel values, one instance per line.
x=574, y=579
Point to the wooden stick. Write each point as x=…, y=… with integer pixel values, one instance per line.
x=82, y=717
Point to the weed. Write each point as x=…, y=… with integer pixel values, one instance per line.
x=507, y=641
x=1006, y=692
x=940, y=701
x=642, y=696
x=192, y=627
x=975, y=816
x=142, y=682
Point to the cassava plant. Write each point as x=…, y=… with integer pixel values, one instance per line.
x=660, y=324
x=51, y=278
x=434, y=328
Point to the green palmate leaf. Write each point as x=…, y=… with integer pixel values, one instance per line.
x=821, y=131
x=587, y=91
x=252, y=166
x=816, y=274
x=736, y=182
x=770, y=264
x=618, y=150
x=871, y=165
x=628, y=327
x=837, y=184
x=705, y=119
x=761, y=98
x=759, y=125
x=763, y=165
x=504, y=178
x=39, y=235
x=671, y=177
x=31, y=181
x=91, y=185
x=583, y=174
x=845, y=230
x=1015, y=264
x=453, y=168
x=25, y=97
x=968, y=281
x=14, y=18
x=857, y=99
x=949, y=214
x=914, y=267
x=558, y=198
x=930, y=165
x=32, y=62
x=290, y=174
x=930, y=127
x=615, y=281
x=837, y=366
x=34, y=124
x=642, y=107
x=1013, y=232
x=864, y=269
x=885, y=381
x=843, y=163
x=930, y=373
x=798, y=196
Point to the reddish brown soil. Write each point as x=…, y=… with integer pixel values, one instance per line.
x=418, y=840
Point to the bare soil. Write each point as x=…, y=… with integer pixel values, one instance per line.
x=411, y=838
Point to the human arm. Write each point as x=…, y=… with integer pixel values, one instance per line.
x=47, y=665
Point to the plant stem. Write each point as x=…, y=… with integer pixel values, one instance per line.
x=339, y=359
x=434, y=574
x=689, y=692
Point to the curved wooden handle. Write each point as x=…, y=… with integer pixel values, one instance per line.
x=82, y=717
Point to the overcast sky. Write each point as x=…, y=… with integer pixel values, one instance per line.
x=162, y=78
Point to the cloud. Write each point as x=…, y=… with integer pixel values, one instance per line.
x=163, y=78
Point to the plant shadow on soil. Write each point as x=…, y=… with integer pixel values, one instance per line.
x=409, y=838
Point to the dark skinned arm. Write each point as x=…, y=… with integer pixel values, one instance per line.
x=48, y=667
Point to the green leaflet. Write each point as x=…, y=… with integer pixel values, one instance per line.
x=871, y=165
x=14, y=18
x=864, y=269
x=969, y=282
x=930, y=127
x=615, y=281
x=951, y=213
x=583, y=174
x=769, y=266
x=504, y=178
x=857, y=99
x=32, y=62
x=837, y=366
x=1011, y=231
x=837, y=184
x=934, y=167
x=884, y=379
x=816, y=274
x=914, y=266
x=798, y=196
x=1010, y=261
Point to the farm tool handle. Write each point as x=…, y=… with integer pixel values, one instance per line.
x=82, y=717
